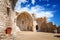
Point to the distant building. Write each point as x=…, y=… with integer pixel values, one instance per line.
x=51, y=27
x=42, y=24
x=58, y=29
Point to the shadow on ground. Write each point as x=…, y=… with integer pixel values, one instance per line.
x=58, y=36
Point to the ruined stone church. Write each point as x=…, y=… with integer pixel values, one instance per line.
x=23, y=21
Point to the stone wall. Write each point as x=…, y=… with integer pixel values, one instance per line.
x=3, y=13
x=58, y=29
x=51, y=27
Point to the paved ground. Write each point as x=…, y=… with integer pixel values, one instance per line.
x=36, y=36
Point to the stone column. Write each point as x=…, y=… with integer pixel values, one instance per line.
x=34, y=22
x=11, y=18
x=12, y=22
x=34, y=26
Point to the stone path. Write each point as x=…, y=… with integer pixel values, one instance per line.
x=36, y=36
x=26, y=35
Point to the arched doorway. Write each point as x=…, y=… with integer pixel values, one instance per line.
x=25, y=21
x=37, y=27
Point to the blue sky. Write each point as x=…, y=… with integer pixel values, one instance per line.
x=42, y=8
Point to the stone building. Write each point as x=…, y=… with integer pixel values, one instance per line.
x=51, y=27
x=41, y=24
x=23, y=21
x=58, y=29
x=44, y=26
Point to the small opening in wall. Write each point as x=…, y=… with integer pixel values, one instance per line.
x=8, y=11
x=8, y=30
x=36, y=27
x=22, y=22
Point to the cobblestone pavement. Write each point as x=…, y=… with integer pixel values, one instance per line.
x=36, y=36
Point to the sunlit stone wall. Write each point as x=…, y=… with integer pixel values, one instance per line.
x=3, y=13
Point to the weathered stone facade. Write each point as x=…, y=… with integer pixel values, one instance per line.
x=58, y=29
x=3, y=13
x=51, y=27
x=41, y=22
x=8, y=18
x=24, y=21
x=7, y=15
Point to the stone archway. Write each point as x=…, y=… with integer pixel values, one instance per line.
x=25, y=21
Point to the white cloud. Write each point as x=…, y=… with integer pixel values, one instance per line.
x=18, y=4
x=34, y=9
x=38, y=10
x=22, y=1
x=33, y=1
x=47, y=14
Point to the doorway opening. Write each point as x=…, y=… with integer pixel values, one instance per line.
x=37, y=27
